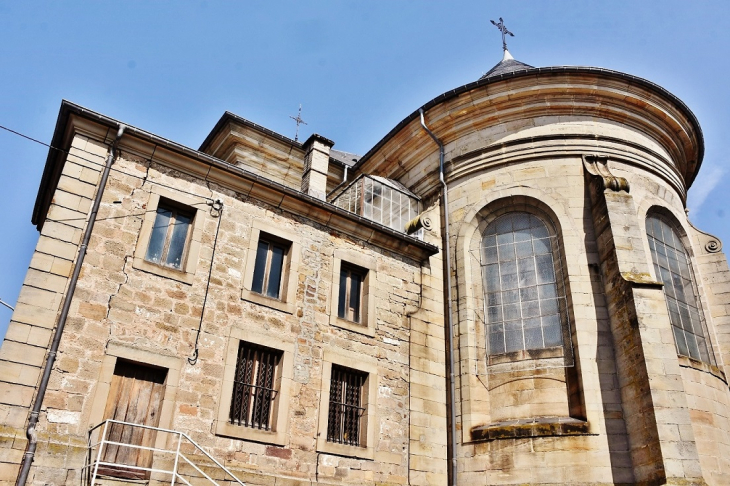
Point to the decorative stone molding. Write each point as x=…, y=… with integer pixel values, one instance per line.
x=713, y=246
x=423, y=220
x=641, y=279
x=710, y=243
x=597, y=166
x=538, y=427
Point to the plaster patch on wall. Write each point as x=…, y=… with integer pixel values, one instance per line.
x=63, y=416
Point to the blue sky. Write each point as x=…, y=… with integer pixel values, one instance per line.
x=357, y=68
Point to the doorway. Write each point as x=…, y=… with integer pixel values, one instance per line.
x=135, y=397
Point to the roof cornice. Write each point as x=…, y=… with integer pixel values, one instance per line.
x=230, y=176
x=232, y=117
x=537, y=72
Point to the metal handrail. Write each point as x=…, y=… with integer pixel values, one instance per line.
x=90, y=471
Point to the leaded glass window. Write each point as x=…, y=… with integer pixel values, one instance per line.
x=524, y=301
x=672, y=267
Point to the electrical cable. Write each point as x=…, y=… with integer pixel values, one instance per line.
x=207, y=203
x=67, y=152
x=216, y=206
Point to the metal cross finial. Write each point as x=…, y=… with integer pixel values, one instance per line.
x=503, y=30
x=299, y=121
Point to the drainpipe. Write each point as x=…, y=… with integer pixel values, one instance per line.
x=344, y=179
x=447, y=295
x=35, y=412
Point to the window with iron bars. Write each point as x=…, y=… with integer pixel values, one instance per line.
x=346, y=406
x=254, y=387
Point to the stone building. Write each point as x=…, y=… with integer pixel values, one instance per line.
x=504, y=290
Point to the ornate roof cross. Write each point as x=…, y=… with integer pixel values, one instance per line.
x=503, y=29
x=299, y=121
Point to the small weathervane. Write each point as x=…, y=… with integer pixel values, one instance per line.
x=299, y=121
x=503, y=29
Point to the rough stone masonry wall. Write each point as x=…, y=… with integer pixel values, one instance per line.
x=119, y=306
x=23, y=351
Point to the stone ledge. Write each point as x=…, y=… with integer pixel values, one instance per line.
x=686, y=362
x=534, y=427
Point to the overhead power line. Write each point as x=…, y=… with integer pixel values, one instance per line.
x=7, y=305
x=144, y=179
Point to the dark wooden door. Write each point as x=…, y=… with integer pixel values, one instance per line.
x=135, y=397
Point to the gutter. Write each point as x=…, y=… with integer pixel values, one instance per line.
x=287, y=198
x=38, y=402
x=447, y=296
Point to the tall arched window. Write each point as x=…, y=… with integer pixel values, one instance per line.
x=523, y=306
x=671, y=264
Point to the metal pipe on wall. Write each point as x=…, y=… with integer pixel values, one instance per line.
x=38, y=402
x=447, y=295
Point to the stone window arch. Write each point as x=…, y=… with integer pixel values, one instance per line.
x=673, y=268
x=524, y=290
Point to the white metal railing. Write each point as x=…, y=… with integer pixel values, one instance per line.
x=182, y=470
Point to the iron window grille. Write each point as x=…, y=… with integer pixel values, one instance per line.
x=254, y=386
x=346, y=406
x=169, y=236
x=673, y=268
x=269, y=267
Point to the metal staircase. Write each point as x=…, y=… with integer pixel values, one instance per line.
x=116, y=454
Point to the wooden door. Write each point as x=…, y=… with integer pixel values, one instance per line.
x=135, y=397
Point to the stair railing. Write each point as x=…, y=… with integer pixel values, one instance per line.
x=99, y=442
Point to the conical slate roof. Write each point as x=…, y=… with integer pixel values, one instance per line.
x=508, y=64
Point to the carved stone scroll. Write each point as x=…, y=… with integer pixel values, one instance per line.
x=597, y=166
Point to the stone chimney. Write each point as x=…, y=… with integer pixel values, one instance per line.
x=316, y=165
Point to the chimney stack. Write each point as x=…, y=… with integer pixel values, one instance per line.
x=316, y=166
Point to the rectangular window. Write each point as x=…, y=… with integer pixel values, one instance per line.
x=346, y=406
x=349, y=305
x=169, y=236
x=254, y=386
x=268, y=268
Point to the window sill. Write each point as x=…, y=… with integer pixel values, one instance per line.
x=536, y=427
x=345, y=450
x=163, y=271
x=226, y=429
x=527, y=354
x=686, y=362
x=256, y=298
x=353, y=326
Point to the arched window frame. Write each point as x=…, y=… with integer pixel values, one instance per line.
x=552, y=349
x=672, y=295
